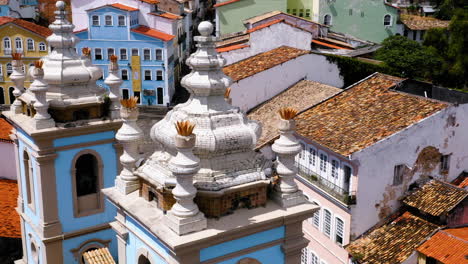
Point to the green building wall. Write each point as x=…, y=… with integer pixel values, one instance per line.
x=230, y=16
x=301, y=8
x=361, y=19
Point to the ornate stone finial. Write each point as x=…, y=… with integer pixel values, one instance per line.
x=184, y=216
x=205, y=28
x=39, y=88
x=130, y=136
x=62, y=37
x=286, y=192
x=18, y=77
x=114, y=81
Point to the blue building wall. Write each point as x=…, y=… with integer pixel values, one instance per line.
x=32, y=237
x=4, y=10
x=72, y=243
x=121, y=37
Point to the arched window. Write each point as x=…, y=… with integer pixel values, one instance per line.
x=42, y=46
x=2, y=96
x=28, y=177
x=327, y=19
x=7, y=44
x=9, y=69
x=19, y=45
x=11, y=95
x=143, y=260
x=87, y=183
x=30, y=43
x=387, y=21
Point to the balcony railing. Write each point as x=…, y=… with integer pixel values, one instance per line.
x=334, y=190
x=7, y=51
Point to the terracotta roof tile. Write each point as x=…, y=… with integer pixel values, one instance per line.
x=449, y=246
x=265, y=25
x=310, y=93
x=436, y=198
x=233, y=47
x=463, y=183
x=393, y=242
x=123, y=7
x=98, y=256
x=9, y=218
x=261, y=62
x=167, y=15
x=152, y=33
x=414, y=22
x=5, y=130
x=225, y=3
x=363, y=114
x=40, y=30
x=4, y=2
x=153, y=2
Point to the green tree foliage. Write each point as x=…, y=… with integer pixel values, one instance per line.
x=408, y=58
x=446, y=8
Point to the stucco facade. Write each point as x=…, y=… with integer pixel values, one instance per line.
x=7, y=170
x=21, y=9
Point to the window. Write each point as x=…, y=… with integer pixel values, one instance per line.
x=124, y=74
x=159, y=54
x=11, y=95
x=108, y=20
x=143, y=260
x=301, y=153
x=30, y=43
x=123, y=54
x=316, y=219
x=135, y=52
x=2, y=96
x=137, y=94
x=312, y=156
x=294, y=12
x=110, y=52
x=350, y=12
x=42, y=46
x=28, y=176
x=398, y=174
x=146, y=54
x=19, y=45
x=444, y=163
x=415, y=32
x=9, y=69
x=125, y=94
x=288, y=11
x=323, y=162
x=339, y=231
x=160, y=94
x=122, y=21
x=301, y=12
x=421, y=34
x=405, y=33
x=304, y=256
x=307, y=14
x=387, y=21
x=362, y=13
x=159, y=76
x=327, y=20
x=87, y=183
x=334, y=172
x=326, y=222
x=95, y=20
x=7, y=43
x=314, y=259
x=347, y=171
x=98, y=54
x=147, y=75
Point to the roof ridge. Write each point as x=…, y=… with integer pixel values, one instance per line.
x=453, y=236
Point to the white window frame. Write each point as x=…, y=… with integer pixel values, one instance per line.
x=445, y=163
x=9, y=69
x=325, y=162
x=121, y=74
x=312, y=157
x=124, y=21
x=42, y=46
x=335, y=170
x=144, y=55
x=324, y=228
x=331, y=20
x=93, y=20
x=313, y=218
x=157, y=74
x=18, y=48
x=314, y=258
x=398, y=174
x=125, y=53
x=336, y=230
x=133, y=49
x=301, y=153
x=5, y=41
x=305, y=256
x=156, y=54
x=390, y=23
x=111, y=20
x=100, y=51
x=29, y=42
x=150, y=75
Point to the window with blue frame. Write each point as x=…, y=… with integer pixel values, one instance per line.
x=135, y=52
x=124, y=74
x=98, y=54
x=146, y=54
x=95, y=20
x=110, y=52
x=147, y=75
x=159, y=54
x=121, y=20
x=108, y=20
x=159, y=75
x=123, y=54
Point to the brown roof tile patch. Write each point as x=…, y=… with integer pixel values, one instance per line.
x=40, y=30
x=393, y=242
x=5, y=130
x=310, y=93
x=261, y=62
x=9, y=218
x=98, y=256
x=414, y=22
x=449, y=246
x=436, y=198
x=363, y=115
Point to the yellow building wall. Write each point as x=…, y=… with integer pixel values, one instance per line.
x=29, y=56
x=136, y=70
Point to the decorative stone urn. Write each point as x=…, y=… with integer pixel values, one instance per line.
x=18, y=77
x=286, y=192
x=130, y=136
x=114, y=81
x=39, y=88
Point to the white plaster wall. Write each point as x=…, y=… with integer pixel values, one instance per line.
x=162, y=24
x=376, y=169
x=7, y=162
x=249, y=92
x=270, y=38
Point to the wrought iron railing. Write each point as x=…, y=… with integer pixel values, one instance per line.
x=329, y=187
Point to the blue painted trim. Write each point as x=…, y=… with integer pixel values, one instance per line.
x=60, y=142
x=242, y=243
x=150, y=235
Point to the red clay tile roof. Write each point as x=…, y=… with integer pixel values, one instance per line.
x=5, y=130
x=265, y=25
x=225, y=3
x=363, y=114
x=328, y=45
x=393, y=242
x=436, y=198
x=414, y=22
x=449, y=246
x=123, y=7
x=9, y=218
x=463, y=183
x=261, y=62
x=98, y=256
x=150, y=1
x=152, y=33
x=233, y=47
x=40, y=30
x=167, y=15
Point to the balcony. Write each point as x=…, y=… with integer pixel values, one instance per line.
x=332, y=189
x=7, y=51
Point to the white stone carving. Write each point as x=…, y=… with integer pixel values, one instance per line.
x=39, y=87
x=114, y=81
x=18, y=77
x=286, y=147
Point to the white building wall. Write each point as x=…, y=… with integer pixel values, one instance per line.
x=445, y=130
x=270, y=38
x=7, y=162
x=251, y=91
